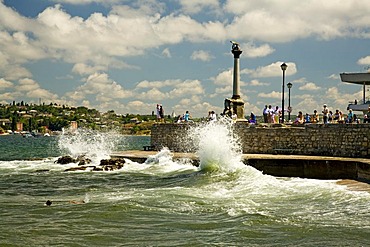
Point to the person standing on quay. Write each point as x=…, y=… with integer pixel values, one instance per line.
x=161, y=113
x=265, y=113
x=158, y=114
x=325, y=113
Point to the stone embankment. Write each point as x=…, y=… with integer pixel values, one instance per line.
x=339, y=140
x=332, y=151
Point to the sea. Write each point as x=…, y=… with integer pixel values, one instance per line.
x=163, y=202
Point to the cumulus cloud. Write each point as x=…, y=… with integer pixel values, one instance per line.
x=84, y=69
x=153, y=94
x=158, y=84
x=81, y=2
x=271, y=70
x=309, y=86
x=5, y=84
x=267, y=20
x=169, y=89
x=29, y=88
x=258, y=83
x=273, y=95
x=223, y=78
x=341, y=99
x=364, y=60
x=195, y=6
x=201, y=55
x=102, y=87
x=252, y=51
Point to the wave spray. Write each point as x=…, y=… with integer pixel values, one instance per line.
x=218, y=148
x=92, y=144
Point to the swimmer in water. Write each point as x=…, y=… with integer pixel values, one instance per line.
x=77, y=202
x=48, y=203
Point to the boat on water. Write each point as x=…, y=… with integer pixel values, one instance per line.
x=360, y=79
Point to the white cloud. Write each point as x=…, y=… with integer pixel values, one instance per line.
x=273, y=95
x=83, y=2
x=31, y=89
x=201, y=55
x=26, y=85
x=341, y=99
x=153, y=94
x=252, y=51
x=333, y=77
x=309, y=86
x=258, y=83
x=267, y=20
x=5, y=84
x=195, y=6
x=84, y=69
x=224, y=78
x=100, y=85
x=271, y=70
x=158, y=84
x=188, y=87
x=169, y=89
x=9, y=96
x=364, y=61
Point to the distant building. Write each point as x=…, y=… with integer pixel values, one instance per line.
x=74, y=125
x=5, y=122
x=19, y=126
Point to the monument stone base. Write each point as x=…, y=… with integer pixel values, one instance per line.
x=235, y=106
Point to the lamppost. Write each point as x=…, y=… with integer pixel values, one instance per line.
x=290, y=85
x=283, y=68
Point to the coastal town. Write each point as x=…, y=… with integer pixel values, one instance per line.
x=51, y=119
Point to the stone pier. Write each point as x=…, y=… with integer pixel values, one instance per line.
x=338, y=140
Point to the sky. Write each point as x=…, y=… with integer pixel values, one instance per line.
x=128, y=56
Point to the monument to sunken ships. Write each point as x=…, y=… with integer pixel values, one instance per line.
x=235, y=105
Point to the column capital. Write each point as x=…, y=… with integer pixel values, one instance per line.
x=236, y=53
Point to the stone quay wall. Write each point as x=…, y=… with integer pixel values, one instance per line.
x=339, y=140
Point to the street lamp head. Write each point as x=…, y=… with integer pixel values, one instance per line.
x=283, y=67
x=290, y=85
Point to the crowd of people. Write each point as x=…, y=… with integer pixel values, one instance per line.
x=186, y=117
x=274, y=115
x=271, y=115
x=328, y=117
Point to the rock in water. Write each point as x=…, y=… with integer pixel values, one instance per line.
x=65, y=160
x=112, y=164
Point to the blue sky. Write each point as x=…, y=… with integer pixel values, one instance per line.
x=127, y=56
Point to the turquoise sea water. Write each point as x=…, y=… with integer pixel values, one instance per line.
x=167, y=203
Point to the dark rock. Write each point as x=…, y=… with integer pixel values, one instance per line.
x=84, y=162
x=78, y=168
x=65, y=160
x=98, y=169
x=112, y=164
